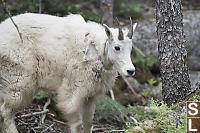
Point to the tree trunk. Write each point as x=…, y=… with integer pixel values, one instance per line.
x=106, y=16
x=172, y=51
x=40, y=6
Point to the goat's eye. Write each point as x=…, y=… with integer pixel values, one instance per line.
x=117, y=48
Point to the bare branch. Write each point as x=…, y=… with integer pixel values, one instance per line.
x=139, y=51
x=98, y=129
x=57, y=121
x=135, y=121
x=34, y=113
x=45, y=108
x=132, y=89
x=48, y=128
x=9, y=15
x=121, y=131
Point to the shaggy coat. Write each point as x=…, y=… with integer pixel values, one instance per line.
x=54, y=55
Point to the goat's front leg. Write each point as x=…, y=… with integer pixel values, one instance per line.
x=88, y=110
x=75, y=122
x=70, y=106
x=73, y=118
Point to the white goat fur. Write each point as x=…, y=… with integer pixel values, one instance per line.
x=52, y=56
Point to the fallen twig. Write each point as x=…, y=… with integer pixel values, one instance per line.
x=135, y=121
x=118, y=131
x=34, y=114
x=55, y=120
x=98, y=129
x=51, y=114
x=48, y=128
x=45, y=108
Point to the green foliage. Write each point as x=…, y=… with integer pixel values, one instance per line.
x=166, y=118
x=110, y=111
x=3, y=17
x=144, y=62
x=140, y=113
x=159, y=108
x=42, y=95
x=144, y=93
x=53, y=7
x=127, y=8
x=162, y=119
x=143, y=65
x=87, y=15
x=151, y=81
x=123, y=8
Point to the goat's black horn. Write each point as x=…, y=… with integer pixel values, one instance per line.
x=121, y=36
x=130, y=33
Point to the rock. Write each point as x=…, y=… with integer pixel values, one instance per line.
x=194, y=78
x=192, y=31
x=145, y=37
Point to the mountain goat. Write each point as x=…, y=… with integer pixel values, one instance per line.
x=77, y=59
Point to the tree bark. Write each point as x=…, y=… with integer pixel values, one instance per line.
x=106, y=15
x=40, y=6
x=172, y=51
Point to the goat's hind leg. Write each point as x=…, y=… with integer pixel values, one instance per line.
x=1, y=119
x=8, y=125
x=17, y=95
x=7, y=112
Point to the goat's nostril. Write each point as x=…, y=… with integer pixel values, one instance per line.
x=130, y=72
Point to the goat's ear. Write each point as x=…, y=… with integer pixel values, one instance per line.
x=134, y=26
x=108, y=32
x=90, y=51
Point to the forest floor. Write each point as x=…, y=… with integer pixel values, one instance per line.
x=36, y=118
